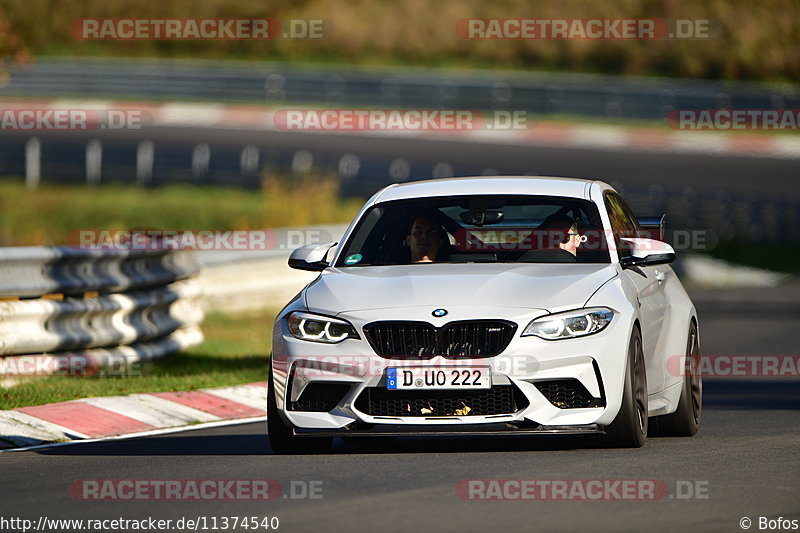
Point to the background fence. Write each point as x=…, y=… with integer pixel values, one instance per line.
x=577, y=94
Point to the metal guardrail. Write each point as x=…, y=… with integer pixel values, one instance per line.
x=722, y=215
x=30, y=271
x=147, y=305
x=544, y=93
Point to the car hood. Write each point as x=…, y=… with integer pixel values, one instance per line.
x=540, y=286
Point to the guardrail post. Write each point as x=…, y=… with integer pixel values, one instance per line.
x=399, y=169
x=201, y=156
x=273, y=87
x=349, y=165
x=248, y=161
x=302, y=162
x=33, y=167
x=145, y=154
x=442, y=170
x=94, y=162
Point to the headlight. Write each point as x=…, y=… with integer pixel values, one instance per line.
x=570, y=324
x=317, y=328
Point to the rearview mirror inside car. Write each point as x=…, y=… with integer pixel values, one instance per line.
x=480, y=217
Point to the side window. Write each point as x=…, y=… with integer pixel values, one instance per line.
x=623, y=224
x=633, y=221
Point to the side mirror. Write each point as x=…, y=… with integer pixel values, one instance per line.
x=647, y=252
x=654, y=226
x=312, y=257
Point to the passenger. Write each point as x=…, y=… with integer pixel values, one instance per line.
x=561, y=237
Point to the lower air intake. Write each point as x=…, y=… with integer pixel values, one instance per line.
x=320, y=397
x=500, y=399
x=568, y=394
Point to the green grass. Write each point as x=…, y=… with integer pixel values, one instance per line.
x=236, y=351
x=772, y=256
x=47, y=215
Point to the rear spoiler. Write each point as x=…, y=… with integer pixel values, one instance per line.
x=653, y=226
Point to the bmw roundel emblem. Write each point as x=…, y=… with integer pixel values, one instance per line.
x=439, y=312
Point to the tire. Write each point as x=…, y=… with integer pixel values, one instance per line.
x=629, y=428
x=685, y=421
x=281, y=437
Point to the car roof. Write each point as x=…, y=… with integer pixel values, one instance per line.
x=480, y=185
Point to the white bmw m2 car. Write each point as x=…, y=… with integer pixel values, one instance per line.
x=487, y=306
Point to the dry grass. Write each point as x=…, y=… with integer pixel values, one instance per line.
x=47, y=215
x=757, y=40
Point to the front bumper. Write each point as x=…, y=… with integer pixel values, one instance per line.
x=595, y=365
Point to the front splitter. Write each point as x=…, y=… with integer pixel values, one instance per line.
x=434, y=430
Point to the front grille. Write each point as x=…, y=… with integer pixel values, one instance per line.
x=320, y=397
x=402, y=339
x=421, y=340
x=568, y=394
x=500, y=399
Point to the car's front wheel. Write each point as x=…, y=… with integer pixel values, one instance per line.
x=629, y=428
x=281, y=437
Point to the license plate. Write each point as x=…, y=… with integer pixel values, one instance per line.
x=472, y=377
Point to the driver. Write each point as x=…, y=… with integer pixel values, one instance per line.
x=426, y=238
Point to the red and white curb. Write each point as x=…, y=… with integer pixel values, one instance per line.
x=544, y=133
x=135, y=414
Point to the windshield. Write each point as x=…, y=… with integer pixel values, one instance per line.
x=470, y=229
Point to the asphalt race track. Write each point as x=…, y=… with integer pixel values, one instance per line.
x=743, y=463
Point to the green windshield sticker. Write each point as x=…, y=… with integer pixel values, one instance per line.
x=352, y=259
